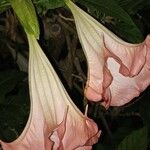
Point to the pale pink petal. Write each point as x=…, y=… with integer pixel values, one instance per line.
x=99, y=44
x=55, y=122
x=124, y=89
x=71, y=134
x=56, y=104
x=130, y=56
x=91, y=38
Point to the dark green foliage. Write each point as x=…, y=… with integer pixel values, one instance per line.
x=131, y=6
x=8, y=81
x=50, y=4
x=136, y=140
x=14, y=104
x=121, y=23
x=44, y=5
x=15, y=112
x=4, y=4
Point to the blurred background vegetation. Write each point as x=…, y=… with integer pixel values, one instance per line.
x=123, y=128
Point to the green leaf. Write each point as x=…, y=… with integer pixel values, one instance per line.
x=132, y=6
x=49, y=4
x=4, y=5
x=25, y=11
x=137, y=140
x=8, y=80
x=108, y=7
x=122, y=21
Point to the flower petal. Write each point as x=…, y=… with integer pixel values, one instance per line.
x=99, y=44
x=73, y=135
x=91, y=39
x=131, y=57
x=124, y=89
x=55, y=122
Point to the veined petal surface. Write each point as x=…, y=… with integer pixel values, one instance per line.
x=123, y=88
x=54, y=122
x=100, y=44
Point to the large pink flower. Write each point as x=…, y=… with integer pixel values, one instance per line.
x=54, y=122
x=116, y=81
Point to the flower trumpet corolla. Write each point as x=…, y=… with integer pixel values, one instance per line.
x=115, y=83
x=54, y=122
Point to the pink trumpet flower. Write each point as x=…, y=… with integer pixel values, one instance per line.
x=55, y=123
x=117, y=71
